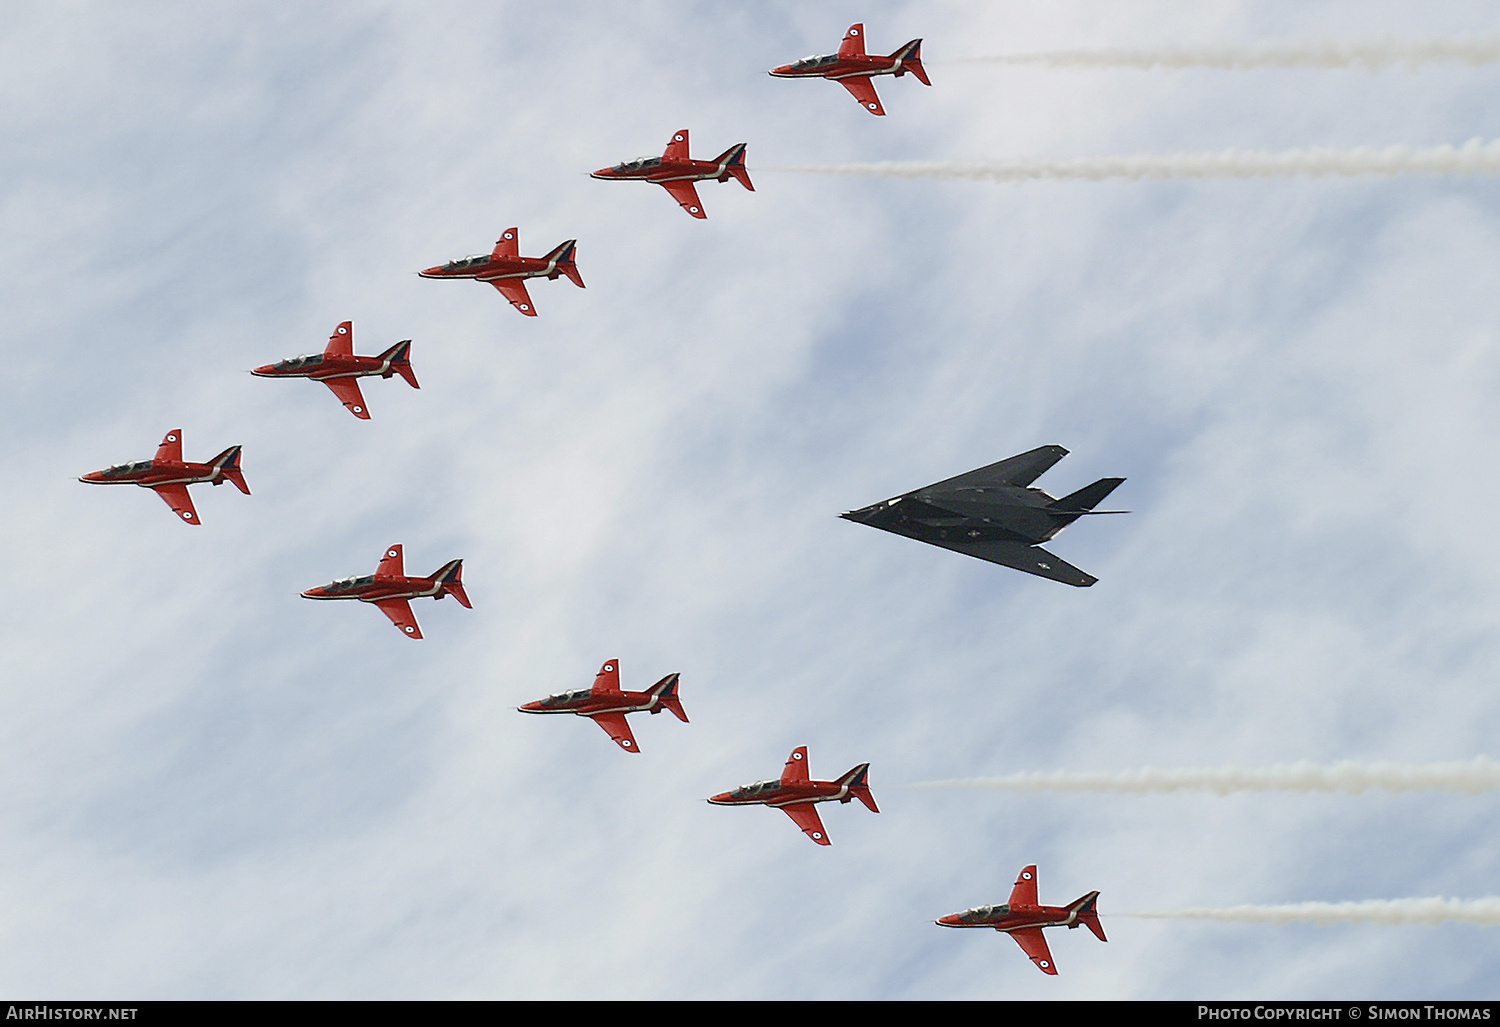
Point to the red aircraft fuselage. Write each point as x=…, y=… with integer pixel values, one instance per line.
x=391, y=590
x=169, y=475
x=1023, y=918
x=507, y=270
x=676, y=172
x=606, y=704
x=338, y=368
x=852, y=68
x=796, y=794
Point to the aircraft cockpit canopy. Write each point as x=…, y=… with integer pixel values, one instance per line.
x=345, y=584
x=816, y=60
x=637, y=164
x=119, y=470
x=471, y=261
x=563, y=698
x=305, y=360
x=984, y=912
x=758, y=788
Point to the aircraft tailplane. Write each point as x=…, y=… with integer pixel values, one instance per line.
x=666, y=691
x=910, y=57
x=733, y=160
x=855, y=781
x=565, y=265
x=1088, y=916
x=1086, y=498
x=400, y=357
x=451, y=575
x=228, y=463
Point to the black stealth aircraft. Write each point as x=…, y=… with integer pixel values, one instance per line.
x=990, y=513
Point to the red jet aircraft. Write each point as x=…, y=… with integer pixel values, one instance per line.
x=170, y=476
x=1023, y=919
x=507, y=270
x=795, y=794
x=606, y=705
x=390, y=589
x=338, y=368
x=853, y=69
x=676, y=172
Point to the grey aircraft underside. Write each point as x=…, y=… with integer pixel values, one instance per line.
x=992, y=514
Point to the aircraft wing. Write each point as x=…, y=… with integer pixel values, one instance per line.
x=853, y=44
x=1034, y=945
x=1031, y=559
x=864, y=91
x=391, y=564
x=617, y=728
x=177, y=498
x=805, y=815
x=1024, y=893
x=347, y=390
x=795, y=771
x=341, y=342
x=508, y=245
x=685, y=194
x=1019, y=470
x=171, y=447
x=608, y=679
x=514, y=289
x=677, y=147
x=399, y=611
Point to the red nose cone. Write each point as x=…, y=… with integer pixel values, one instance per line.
x=265, y=370
x=722, y=799
x=531, y=707
x=602, y=173
x=93, y=476
x=948, y=921
x=315, y=593
x=785, y=69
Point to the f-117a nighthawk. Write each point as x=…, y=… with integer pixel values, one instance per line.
x=391, y=590
x=169, y=475
x=1023, y=919
x=338, y=368
x=507, y=270
x=676, y=172
x=795, y=794
x=852, y=68
x=606, y=705
x=990, y=513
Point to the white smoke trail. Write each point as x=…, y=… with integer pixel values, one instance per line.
x=1374, y=911
x=1475, y=157
x=1478, y=775
x=1377, y=55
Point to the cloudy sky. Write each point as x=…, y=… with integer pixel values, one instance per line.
x=210, y=788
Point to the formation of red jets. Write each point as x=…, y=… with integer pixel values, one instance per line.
x=390, y=590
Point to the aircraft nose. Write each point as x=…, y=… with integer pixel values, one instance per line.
x=721, y=799
x=431, y=272
x=314, y=593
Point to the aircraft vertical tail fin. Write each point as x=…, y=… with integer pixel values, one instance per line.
x=400, y=357
x=733, y=162
x=563, y=256
x=228, y=464
x=910, y=57
x=666, y=691
x=1087, y=915
x=856, y=782
x=451, y=576
x=1086, y=498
